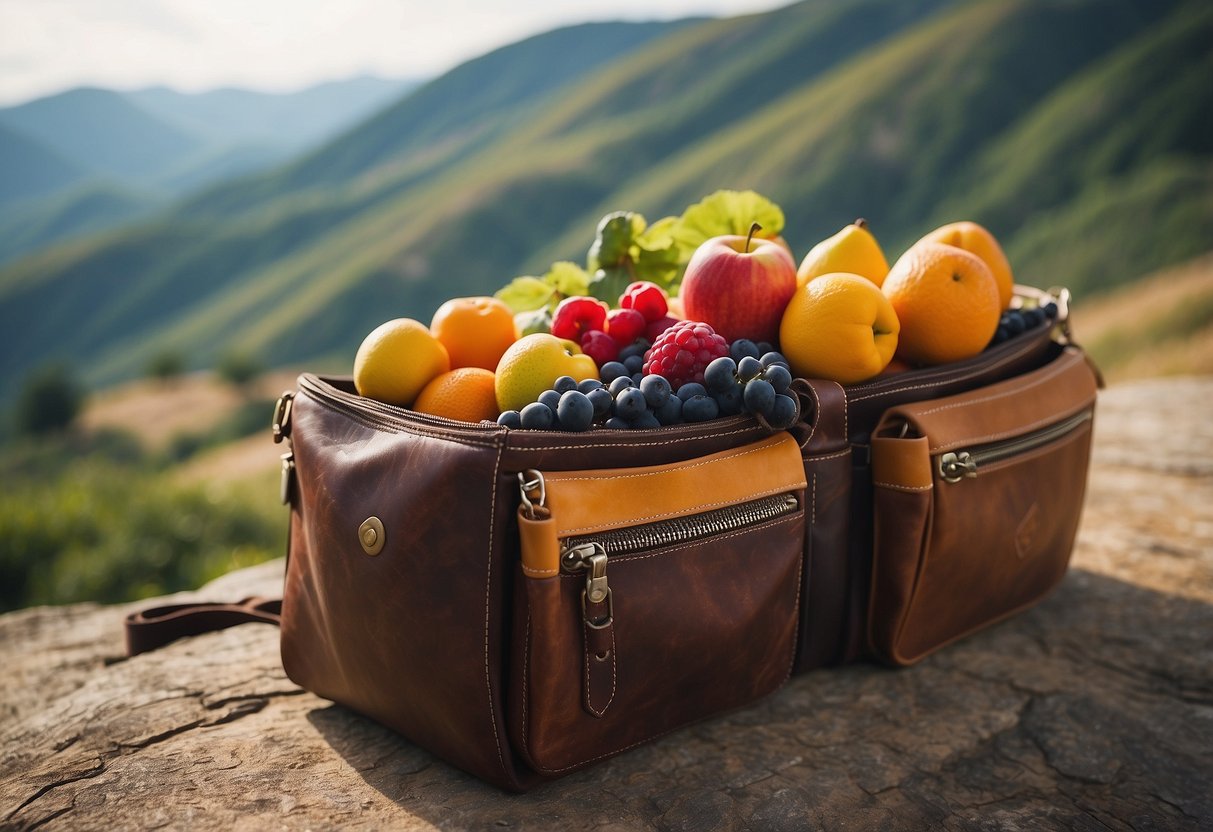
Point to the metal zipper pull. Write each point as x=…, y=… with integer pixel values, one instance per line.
x=592, y=559
x=956, y=466
x=533, y=491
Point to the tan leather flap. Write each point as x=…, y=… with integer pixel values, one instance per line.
x=1010, y=408
x=591, y=501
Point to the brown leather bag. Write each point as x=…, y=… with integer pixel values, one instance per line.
x=420, y=588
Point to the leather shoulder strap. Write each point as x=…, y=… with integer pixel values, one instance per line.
x=155, y=627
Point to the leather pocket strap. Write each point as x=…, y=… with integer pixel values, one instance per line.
x=153, y=628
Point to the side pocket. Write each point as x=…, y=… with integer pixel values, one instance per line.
x=977, y=500
x=902, y=492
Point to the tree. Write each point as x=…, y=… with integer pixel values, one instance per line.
x=238, y=368
x=166, y=365
x=50, y=400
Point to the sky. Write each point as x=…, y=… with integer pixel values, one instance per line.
x=193, y=45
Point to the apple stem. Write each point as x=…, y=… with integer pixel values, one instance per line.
x=861, y=223
x=754, y=228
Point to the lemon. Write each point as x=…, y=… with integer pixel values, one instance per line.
x=852, y=250
x=397, y=359
x=533, y=363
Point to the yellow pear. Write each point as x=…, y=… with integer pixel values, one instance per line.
x=853, y=250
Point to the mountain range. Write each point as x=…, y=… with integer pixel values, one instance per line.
x=87, y=158
x=1079, y=131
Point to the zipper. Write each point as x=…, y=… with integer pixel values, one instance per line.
x=957, y=465
x=590, y=553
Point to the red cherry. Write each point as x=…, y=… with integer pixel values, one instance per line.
x=625, y=325
x=599, y=346
x=647, y=298
x=578, y=315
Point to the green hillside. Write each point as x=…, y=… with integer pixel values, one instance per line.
x=90, y=208
x=29, y=168
x=1069, y=127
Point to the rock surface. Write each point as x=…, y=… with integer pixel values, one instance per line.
x=1092, y=711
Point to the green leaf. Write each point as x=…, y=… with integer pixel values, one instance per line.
x=608, y=284
x=535, y=320
x=617, y=233
x=726, y=212
x=522, y=294
x=567, y=278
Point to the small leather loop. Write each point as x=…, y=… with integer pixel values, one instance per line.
x=155, y=627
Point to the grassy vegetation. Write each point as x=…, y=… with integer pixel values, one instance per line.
x=97, y=516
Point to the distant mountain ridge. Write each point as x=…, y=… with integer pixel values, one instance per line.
x=1079, y=131
x=147, y=147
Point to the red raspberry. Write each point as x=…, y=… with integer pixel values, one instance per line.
x=625, y=325
x=683, y=352
x=599, y=346
x=578, y=315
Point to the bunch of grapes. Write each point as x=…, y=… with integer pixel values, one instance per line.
x=1017, y=321
x=627, y=398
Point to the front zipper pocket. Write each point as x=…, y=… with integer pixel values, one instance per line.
x=977, y=499
x=654, y=597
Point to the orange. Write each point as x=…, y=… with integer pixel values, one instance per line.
x=533, y=363
x=947, y=302
x=975, y=239
x=466, y=393
x=475, y=331
x=397, y=359
x=838, y=326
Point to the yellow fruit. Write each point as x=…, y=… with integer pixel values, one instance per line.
x=975, y=239
x=465, y=393
x=839, y=327
x=852, y=250
x=947, y=302
x=475, y=331
x=533, y=363
x=396, y=360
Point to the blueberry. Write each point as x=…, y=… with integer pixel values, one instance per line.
x=510, y=419
x=759, y=396
x=770, y=359
x=575, y=411
x=1050, y=310
x=611, y=371
x=617, y=423
x=729, y=401
x=720, y=374
x=636, y=378
x=656, y=390
x=670, y=413
x=630, y=404
x=589, y=384
x=645, y=421
x=551, y=398
x=1001, y=334
x=1033, y=317
x=779, y=376
x=1015, y=322
x=783, y=413
x=743, y=347
x=537, y=416
x=700, y=408
x=635, y=348
x=634, y=363
x=620, y=384
x=691, y=388
x=564, y=384
x=603, y=402
x=748, y=368
x=764, y=347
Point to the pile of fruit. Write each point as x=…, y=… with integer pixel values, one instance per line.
x=694, y=318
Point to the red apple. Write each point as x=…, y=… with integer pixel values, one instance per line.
x=739, y=286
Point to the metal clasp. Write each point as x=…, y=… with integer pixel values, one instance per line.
x=534, y=493
x=288, y=477
x=281, y=424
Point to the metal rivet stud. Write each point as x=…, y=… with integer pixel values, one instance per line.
x=371, y=536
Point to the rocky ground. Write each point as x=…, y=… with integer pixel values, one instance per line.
x=1092, y=711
